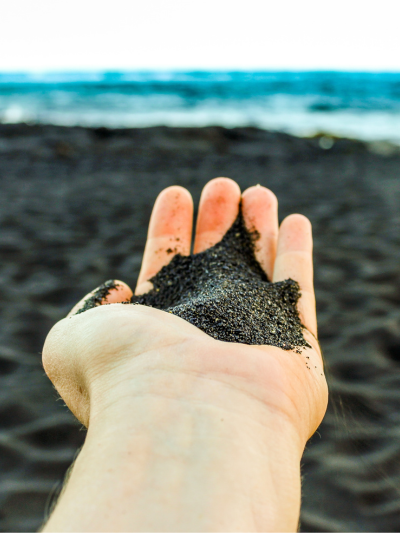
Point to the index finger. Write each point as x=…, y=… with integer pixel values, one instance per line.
x=170, y=233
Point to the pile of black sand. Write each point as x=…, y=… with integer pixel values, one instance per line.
x=224, y=292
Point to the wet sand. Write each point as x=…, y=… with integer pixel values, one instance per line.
x=74, y=209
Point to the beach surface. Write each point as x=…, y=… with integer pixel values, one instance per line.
x=74, y=209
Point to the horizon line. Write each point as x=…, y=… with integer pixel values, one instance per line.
x=193, y=70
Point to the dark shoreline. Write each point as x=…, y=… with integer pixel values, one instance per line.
x=74, y=209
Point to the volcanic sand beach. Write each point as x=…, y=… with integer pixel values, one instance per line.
x=74, y=209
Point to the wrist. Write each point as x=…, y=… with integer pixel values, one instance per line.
x=207, y=462
x=187, y=451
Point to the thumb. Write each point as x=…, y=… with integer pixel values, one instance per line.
x=111, y=292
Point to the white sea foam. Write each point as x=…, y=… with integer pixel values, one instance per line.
x=364, y=106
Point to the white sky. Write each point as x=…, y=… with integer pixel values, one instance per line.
x=44, y=35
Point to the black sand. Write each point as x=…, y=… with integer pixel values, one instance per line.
x=224, y=292
x=98, y=296
x=74, y=209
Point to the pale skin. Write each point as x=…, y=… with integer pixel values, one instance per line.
x=187, y=433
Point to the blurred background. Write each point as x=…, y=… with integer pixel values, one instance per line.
x=103, y=105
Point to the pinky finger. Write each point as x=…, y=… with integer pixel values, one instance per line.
x=294, y=260
x=110, y=292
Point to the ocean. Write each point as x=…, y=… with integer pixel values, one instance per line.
x=345, y=104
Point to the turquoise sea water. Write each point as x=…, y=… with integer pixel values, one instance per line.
x=360, y=105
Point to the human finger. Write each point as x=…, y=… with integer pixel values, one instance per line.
x=260, y=214
x=170, y=233
x=218, y=209
x=294, y=260
x=110, y=292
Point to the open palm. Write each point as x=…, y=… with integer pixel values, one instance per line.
x=120, y=341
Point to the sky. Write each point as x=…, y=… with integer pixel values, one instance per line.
x=79, y=35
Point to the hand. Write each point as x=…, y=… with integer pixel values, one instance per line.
x=187, y=433
x=88, y=356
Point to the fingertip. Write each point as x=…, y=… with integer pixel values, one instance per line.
x=120, y=293
x=295, y=234
x=297, y=221
x=259, y=191
x=112, y=291
x=260, y=209
x=223, y=182
x=218, y=209
x=174, y=191
x=172, y=213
